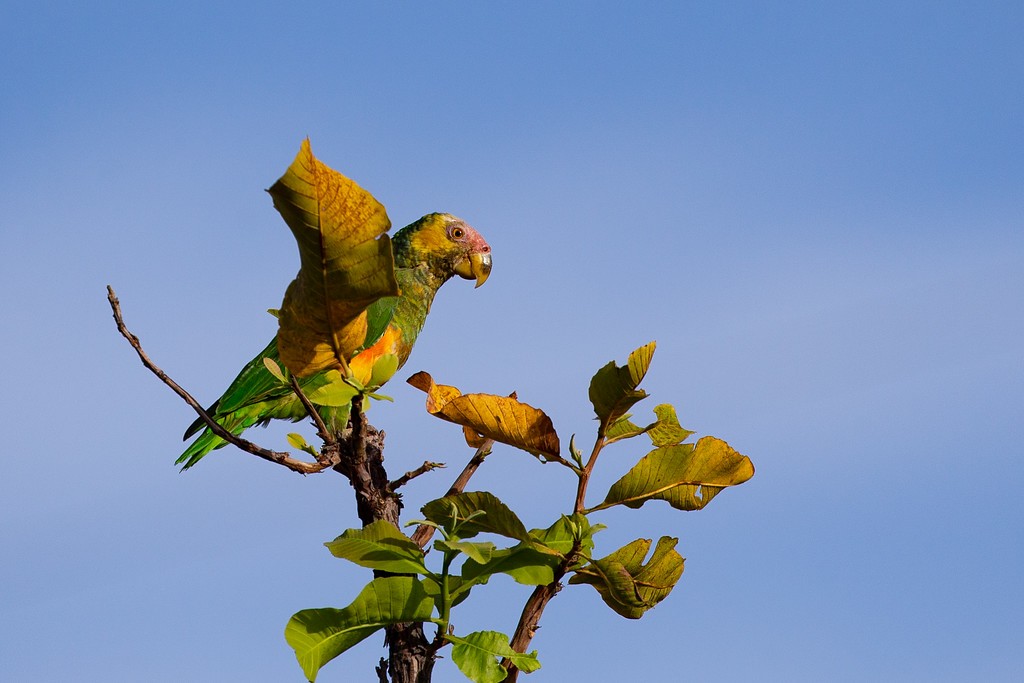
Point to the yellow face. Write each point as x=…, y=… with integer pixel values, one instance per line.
x=452, y=241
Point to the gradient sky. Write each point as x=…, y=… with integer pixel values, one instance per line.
x=816, y=209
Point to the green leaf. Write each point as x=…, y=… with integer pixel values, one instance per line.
x=687, y=476
x=613, y=390
x=384, y=368
x=498, y=518
x=524, y=563
x=533, y=563
x=567, y=532
x=477, y=551
x=666, y=431
x=330, y=389
x=298, y=441
x=478, y=655
x=623, y=429
x=275, y=369
x=575, y=453
x=379, y=546
x=320, y=635
x=458, y=589
x=629, y=586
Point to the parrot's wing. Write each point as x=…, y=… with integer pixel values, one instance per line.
x=254, y=384
x=378, y=317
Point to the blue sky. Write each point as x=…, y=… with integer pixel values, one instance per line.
x=816, y=210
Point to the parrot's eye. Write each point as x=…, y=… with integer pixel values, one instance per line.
x=458, y=233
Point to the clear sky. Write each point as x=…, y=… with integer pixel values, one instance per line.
x=816, y=209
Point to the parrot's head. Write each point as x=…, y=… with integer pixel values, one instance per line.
x=447, y=245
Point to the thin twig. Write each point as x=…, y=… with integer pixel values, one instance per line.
x=283, y=459
x=427, y=466
x=425, y=532
x=321, y=427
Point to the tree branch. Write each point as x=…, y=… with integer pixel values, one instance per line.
x=427, y=466
x=283, y=459
x=425, y=532
x=584, y=475
x=321, y=427
x=529, y=620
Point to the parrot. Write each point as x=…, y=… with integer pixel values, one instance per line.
x=427, y=253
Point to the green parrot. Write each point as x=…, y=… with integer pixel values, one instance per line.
x=427, y=254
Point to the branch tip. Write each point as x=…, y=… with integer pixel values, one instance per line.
x=283, y=459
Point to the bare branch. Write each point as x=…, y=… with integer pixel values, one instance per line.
x=427, y=466
x=529, y=619
x=425, y=532
x=283, y=459
x=529, y=622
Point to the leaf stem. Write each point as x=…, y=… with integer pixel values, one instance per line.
x=446, y=598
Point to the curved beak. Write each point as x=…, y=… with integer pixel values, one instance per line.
x=476, y=266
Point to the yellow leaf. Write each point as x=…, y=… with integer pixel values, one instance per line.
x=502, y=418
x=473, y=438
x=685, y=475
x=345, y=264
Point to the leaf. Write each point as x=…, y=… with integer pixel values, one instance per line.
x=667, y=430
x=478, y=656
x=523, y=562
x=330, y=389
x=346, y=264
x=502, y=418
x=458, y=590
x=498, y=518
x=384, y=368
x=275, y=369
x=477, y=551
x=299, y=441
x=629, y=586
x=688, y=476
x=380, y=546
x=664, y=431
x=567, y=532
x=474, y=439
x=613, y=390
x=533, y=563
x=320, y=635
x=623, y=429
